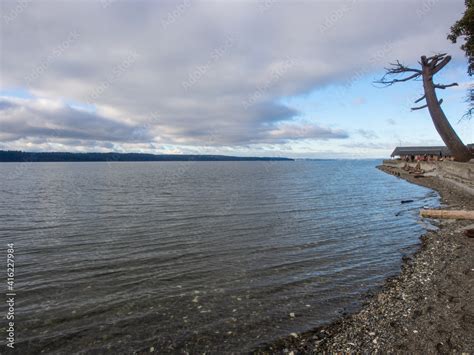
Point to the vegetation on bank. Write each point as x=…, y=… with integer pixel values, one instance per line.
x=19, y=156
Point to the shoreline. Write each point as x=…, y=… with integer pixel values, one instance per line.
x=427, y=307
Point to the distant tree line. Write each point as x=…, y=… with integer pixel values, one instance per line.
x=19, y=156
x=464, y=28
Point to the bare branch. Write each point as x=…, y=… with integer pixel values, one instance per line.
x=441, y=65
x=442, y=87
x=468, y=115
x=395, y=69
x=424, y=106
x=398, y=68
x=386, y=82
x=419, y=107
x=433, y=60
x=421, y=98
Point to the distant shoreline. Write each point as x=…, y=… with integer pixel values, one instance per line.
x=36, y=157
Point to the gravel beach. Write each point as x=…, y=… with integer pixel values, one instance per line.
x=427, y=308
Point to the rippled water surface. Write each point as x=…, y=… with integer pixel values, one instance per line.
x=197, y=255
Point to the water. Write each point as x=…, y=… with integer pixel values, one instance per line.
x=196, y=256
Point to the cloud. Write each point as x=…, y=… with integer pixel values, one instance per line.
x=197, y=73
x=367, y=133
x=44, y=120
x=48, y=119
x=291, y=131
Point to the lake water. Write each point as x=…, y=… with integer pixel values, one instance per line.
x=197, y=256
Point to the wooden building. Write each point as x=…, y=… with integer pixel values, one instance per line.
x=424, y=153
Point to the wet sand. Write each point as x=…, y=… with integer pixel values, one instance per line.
x=427, y=308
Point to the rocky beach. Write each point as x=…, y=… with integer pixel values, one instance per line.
x=427, y=308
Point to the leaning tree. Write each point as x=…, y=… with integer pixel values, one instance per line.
x=429, y=67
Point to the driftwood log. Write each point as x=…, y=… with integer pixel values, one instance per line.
x=452, y=214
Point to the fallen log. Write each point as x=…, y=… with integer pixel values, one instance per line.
x=452, y=214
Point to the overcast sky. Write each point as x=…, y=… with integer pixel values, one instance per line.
x=266, y=78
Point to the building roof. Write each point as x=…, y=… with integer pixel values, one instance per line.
x=432, y=150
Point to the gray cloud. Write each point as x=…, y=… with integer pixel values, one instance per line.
x=391, y=122
x=30, y=118
x=367, y=133
x=198, y=73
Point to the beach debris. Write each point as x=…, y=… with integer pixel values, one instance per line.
x=469, y=233
x=292, y=315
x=407, y=201
x=452, y=214
x=196, y=299
x=294, y=335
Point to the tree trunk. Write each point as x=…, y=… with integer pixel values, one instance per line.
x=447, y=133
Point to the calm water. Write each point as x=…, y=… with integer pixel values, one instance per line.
x=197, y=256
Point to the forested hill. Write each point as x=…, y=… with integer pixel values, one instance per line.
x=18, y=156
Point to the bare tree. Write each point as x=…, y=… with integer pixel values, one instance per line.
x=429, y=67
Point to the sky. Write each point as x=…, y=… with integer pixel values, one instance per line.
x=248, y=78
